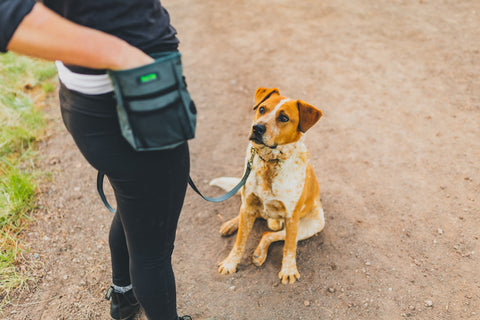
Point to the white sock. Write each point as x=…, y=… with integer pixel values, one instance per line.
x=121, y=289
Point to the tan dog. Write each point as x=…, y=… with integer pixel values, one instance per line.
x=282, y=186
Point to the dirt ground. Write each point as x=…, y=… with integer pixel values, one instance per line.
x=396, y=154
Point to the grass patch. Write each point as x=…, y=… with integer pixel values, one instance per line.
x=24, y=85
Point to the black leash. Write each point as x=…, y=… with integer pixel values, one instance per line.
x=228, y=195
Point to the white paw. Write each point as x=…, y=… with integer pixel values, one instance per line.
x=289, y=274
x=227, y=266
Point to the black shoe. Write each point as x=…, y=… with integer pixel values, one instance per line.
x=185, y=318
x=124, y=306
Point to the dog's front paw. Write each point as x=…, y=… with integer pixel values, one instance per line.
x=227, y=266
x=289, y=274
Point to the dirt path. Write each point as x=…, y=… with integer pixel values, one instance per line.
x=396, y=153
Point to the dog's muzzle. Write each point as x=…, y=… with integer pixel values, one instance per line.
x=257, y=132
x=259, y=129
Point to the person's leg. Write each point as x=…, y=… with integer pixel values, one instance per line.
x=149, y=201
x=119, y=253
x=149, y=188
x=123, y=303
x=92, y=121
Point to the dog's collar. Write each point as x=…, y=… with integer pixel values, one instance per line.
x=254, y=151
x=280, y=153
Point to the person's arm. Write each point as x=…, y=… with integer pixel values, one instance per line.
x=44, y=34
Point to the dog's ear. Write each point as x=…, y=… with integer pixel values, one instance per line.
x=308, y=115
x=263, y=94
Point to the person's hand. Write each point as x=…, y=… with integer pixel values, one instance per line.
x=138, y=62
x=130, y=58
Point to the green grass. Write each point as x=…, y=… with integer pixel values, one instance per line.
x=24, y=82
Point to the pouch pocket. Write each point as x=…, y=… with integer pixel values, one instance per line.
x=159, y=121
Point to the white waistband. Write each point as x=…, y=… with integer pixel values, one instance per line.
x=92, y=84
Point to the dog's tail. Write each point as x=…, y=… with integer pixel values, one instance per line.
x=226, y=183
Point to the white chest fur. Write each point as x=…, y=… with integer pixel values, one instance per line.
x=278, y=184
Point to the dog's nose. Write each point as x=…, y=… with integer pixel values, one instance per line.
x=259, y=129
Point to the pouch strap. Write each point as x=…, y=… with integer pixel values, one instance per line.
x=228, y=195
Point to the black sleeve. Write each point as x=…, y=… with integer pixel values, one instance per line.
x=12, y=13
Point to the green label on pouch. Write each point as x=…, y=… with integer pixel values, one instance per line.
x=148, y=77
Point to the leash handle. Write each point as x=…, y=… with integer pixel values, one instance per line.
x=228, y=195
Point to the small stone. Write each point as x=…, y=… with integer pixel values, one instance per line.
x=331, y=290
x=306, y=303
x=440, y=231
x=428, y=303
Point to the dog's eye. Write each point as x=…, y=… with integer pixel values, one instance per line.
x=261, y=110
x=283, y=118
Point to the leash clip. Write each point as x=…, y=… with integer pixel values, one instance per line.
x=252, y=152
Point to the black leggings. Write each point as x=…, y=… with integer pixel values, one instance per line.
x=149, y=188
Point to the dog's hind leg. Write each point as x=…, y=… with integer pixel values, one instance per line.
x=311, y=224
x=268, y=238
x=228, y=228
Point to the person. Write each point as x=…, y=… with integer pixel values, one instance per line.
x=87, y=38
